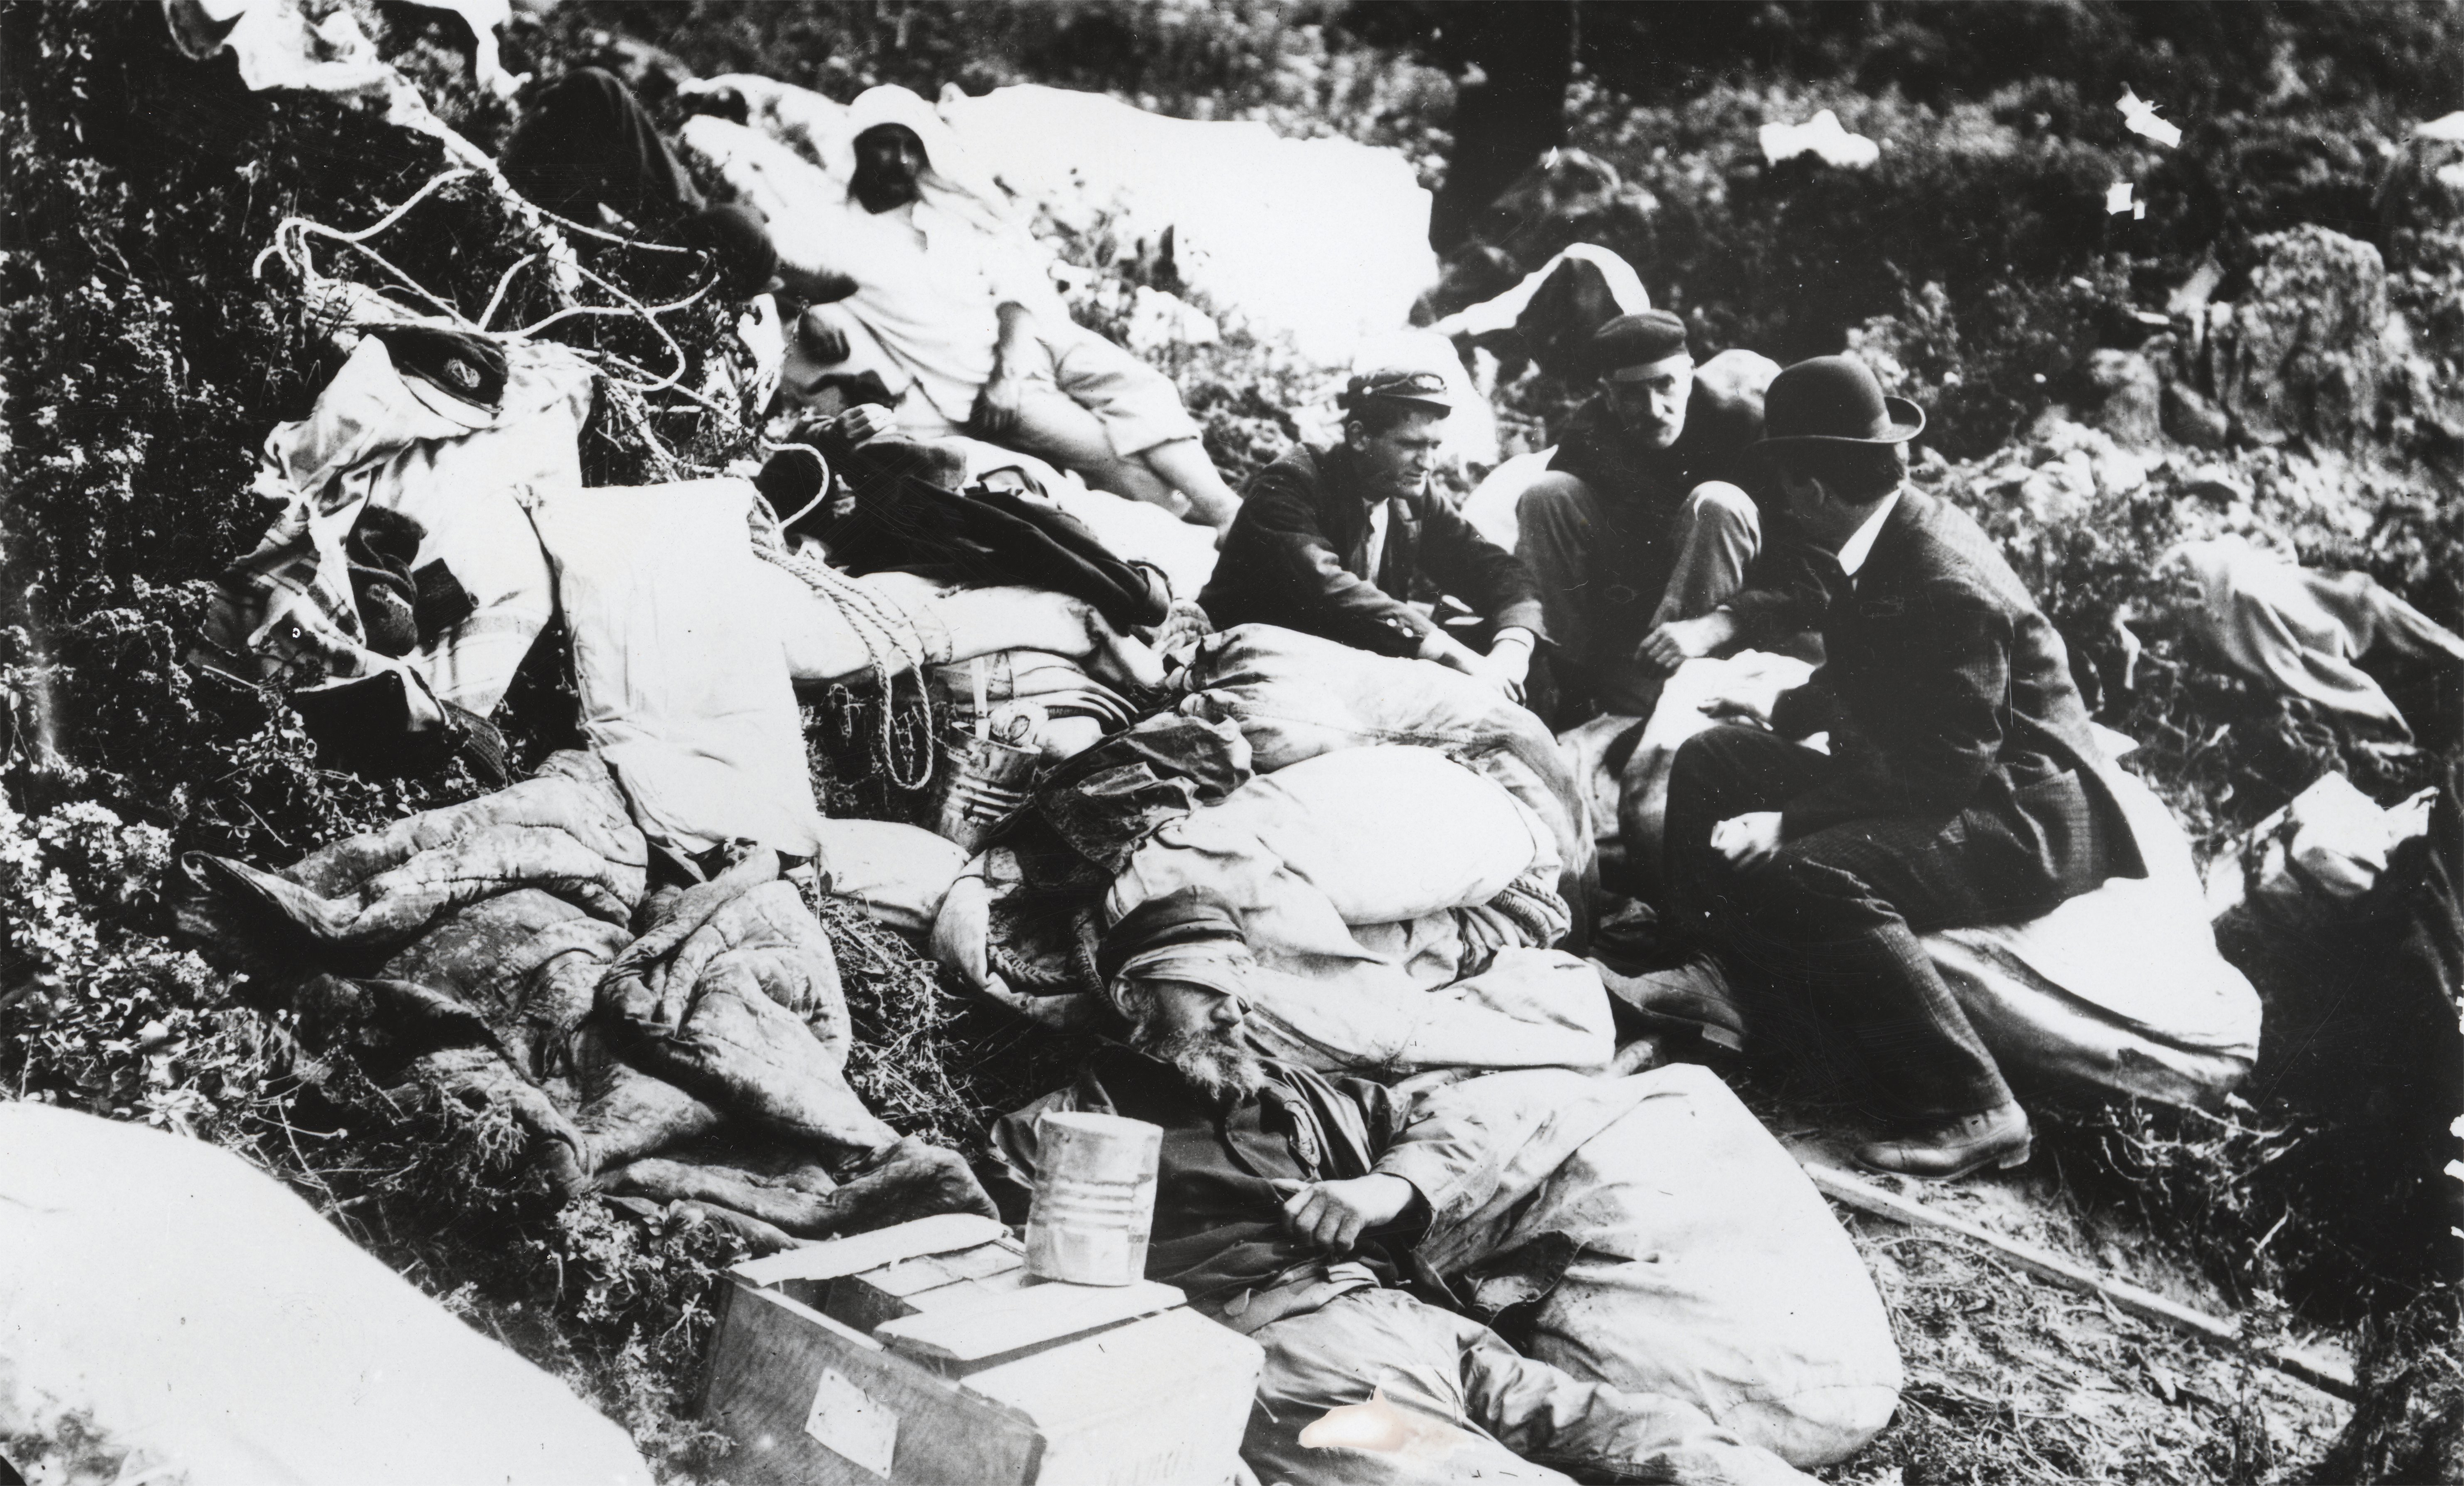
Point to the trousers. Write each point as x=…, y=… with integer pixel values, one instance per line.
x=1475, y=1408
x=1609, y=573
x=1827, y=926
x=584, y=142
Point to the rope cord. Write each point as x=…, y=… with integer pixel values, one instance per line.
x=886, y=631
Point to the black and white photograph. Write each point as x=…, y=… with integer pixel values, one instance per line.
x=1231, y=742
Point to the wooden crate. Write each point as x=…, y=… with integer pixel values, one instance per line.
x=922, y=1355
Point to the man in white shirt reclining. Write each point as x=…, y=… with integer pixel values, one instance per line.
x=928, y=282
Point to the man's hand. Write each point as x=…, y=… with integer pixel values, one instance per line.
x=1754, y=707
x=1747, y=839
x=1451, y=653
x=997, y=408
x=861, y=422
x=1672, y=645
x=1508, y=666
x=1334, y=1215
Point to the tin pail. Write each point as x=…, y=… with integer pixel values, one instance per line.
x=1094, y=1198
x=982, y=781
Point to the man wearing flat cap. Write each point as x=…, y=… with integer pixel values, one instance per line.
x=1963, y=784
x=1643, y=527
x=1338, y=541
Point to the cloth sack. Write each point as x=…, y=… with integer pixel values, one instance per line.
x=683, y=676
x=2117, y=991
x=898, y=874
x=1297, y=696
x=1402, y=911
x=1671, y=1247
x=200, y=1315
x=950, y=624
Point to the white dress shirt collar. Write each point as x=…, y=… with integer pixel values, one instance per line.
x=1860, y=545
x=1381, y=517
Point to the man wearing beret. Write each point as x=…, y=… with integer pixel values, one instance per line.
x=1336, y=541
x=1962, y=784
x=1642, y=528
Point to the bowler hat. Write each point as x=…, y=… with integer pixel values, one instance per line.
x=1836, y=400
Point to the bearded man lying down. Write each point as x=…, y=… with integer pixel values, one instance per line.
x=1689, y=1311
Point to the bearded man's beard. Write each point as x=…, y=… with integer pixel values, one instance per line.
x=1219, y=1071
x=878, y=190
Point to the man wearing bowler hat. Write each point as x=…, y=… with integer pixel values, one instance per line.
x=1336, y=541
x=1642, y=530
x=1963, y=784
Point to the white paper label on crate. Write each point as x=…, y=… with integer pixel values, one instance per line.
x=852, y=1423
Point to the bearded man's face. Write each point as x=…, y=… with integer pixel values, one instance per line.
x=1198, y=1033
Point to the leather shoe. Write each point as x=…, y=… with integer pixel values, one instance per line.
x=1999, y=1137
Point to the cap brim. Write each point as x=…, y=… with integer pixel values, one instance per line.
x=1424, y=403
x=444, y=404
x=1908, y=420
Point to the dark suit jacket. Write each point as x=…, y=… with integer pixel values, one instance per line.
x=1945, y=690
x=1292, y=558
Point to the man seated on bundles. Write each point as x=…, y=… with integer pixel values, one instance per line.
x=929, y=269
x=1962, y=784
x=1290, y=1207
x=1642, y=530
x=1334, y=542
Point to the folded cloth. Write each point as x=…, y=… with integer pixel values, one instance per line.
x=734, y=996
x=1665, y=1244
x=563, y=832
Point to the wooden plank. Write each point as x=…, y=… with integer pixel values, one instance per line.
x=854, y=1300
x=993, y=1258
x=786, y=1381
x=1036, y=1314
x=2325, y=1374
x=860, y=1252
x=1158, y=1402
x=909, y=1275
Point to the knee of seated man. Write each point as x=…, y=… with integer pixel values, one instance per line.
x=1796, y=889
x=1553, y=498
x=1718, y=501
x=1714, y=757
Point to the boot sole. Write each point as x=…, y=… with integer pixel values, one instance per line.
x=2003, y=1160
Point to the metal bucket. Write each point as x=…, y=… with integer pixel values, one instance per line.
x=1094, y=1198
x=982, y=781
